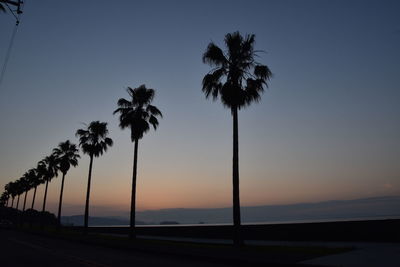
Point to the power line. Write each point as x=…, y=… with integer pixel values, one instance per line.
x=3, y=70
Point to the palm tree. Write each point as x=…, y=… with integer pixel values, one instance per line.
x=35, y=179
x=48, y=168
x=4, y=199
x=25, y=184
x=7, y=189
x=67, y=155
x=238, y=79
x=11, y=188
x=18, y=190
x=137, y=114
x=94, y=141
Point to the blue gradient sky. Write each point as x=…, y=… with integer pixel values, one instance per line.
x=328, y=127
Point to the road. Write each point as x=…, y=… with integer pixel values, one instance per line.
x=21, y=249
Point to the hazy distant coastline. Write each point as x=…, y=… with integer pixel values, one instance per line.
x=337, y=210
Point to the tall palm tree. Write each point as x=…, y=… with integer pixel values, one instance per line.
x=94, y=141
x=47, y=167
x=35, y=179
x=137, y=114
x=238, y=80
x=67, y=156
x=18, y=190
x=25, y=184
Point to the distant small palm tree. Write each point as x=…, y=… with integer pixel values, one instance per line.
x=8, y=189
x=67, y=156
x=137, y=114
x=18, y=190
x=238, y=79
x=28, y=182
x=25, y=184
x=94, y=142
x=48, y=168
x=35, y=180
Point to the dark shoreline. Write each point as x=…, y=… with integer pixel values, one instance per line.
x=365, y=231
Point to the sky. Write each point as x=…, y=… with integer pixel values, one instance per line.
x=327, y=128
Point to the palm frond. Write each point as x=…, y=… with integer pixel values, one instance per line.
x=214, y=56
x=262, y=72
x=153, y=110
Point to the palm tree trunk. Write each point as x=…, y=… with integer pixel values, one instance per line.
x=132, y=233
x=45, y=196
x=34, y=196
x=88, y=195
x=17, y=201
x=237, y=239
x=26, y=193
x=60, y=202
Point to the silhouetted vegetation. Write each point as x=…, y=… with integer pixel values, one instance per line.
x=94, y=142
x=137, y=114
x=67, y=156
x=238, y=80
x=33, y=217
x=48, y=168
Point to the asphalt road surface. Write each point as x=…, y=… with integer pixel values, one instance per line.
x=21, y=249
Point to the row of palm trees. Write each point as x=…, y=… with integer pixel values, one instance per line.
x=236, y=78
x=61, y=159
x=137, y=114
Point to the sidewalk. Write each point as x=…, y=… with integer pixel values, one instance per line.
x=364, y=253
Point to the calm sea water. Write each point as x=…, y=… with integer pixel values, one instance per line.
x=382, y=217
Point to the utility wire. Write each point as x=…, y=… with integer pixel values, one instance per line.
x=12, y=12
x=3, y=70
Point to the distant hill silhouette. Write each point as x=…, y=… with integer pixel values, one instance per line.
x=78, y=220
x=376, y=207
x=328, y=210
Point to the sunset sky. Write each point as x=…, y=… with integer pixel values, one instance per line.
x=327, y=128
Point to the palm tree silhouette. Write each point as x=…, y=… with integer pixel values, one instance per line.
x=137, y=114
x=48, y=168
x=36, y=180
x=238, y=79
x=94, y=141
x=26, y=185
x=9, y=188
x=67, y=155
x=18, y=190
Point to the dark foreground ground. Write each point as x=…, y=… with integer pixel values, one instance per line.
x=354, y=231
x=22, y=248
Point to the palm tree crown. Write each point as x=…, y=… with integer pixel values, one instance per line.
x=93, y=139
x=236, y=76
x=137, y=113
x=67, y=155
x=48, y=167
